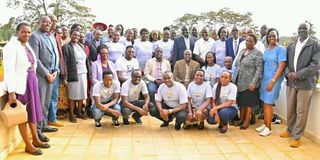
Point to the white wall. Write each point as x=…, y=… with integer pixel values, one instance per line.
x=313, y=127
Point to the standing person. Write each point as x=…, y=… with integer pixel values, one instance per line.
x=224, y=102
x=202, y=47
x=78, y=70
x=219, y=47
x=185, y=69
x=194, y=32
x=153, y=71
x=263, y=33
x=65, y=35
x=143, y=49
x=302, y=77
x=129, y=41
x=214, y=35
x=116, y=49
x=199, y=98
x=274, y=61
x=19, y=64
x=53, y=108
x=109, y=35
x=182, y=43
x=47, y=64
x=106, y=94
x=171, y=101
x=96, y=26
x=247, y=75
x=130, y=92
x=94, y=44
x=125, y=65
x=154, y=36
x=211, y=69
x=166, y=44
x=232, y=43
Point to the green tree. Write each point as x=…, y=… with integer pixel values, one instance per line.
x=6, y=30
x=67, y=11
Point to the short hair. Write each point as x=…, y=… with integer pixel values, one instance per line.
x=42, y=17
x=201, y=70
x=166, y=28
x=135, y=70
x=110, y=25
x=254, y=38
x=74, y=26
x=20, y=25
x=144, y=30
x=187, y=50
x=107, y=73
x=94, y=32
x=101, y=47
x=270, y=30
x=73, y=30
x=129, y=46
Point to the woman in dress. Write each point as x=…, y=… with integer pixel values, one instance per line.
x=219, y=47
x=247, y=75
x=77, y=73
x=19, y=63
x=274, y=62
x=212, y=70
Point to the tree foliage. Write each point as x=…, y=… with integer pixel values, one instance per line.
x=6, y=30
x=67, y=11
x=214, y=20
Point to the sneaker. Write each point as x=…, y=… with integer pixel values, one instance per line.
x=116, y=123
x=125, y=121
x=56, y=124
x=261, y=128
x=266, y=132
x=276, y=120
x=136, y=118
x=98, y=124
x=177, y=126
x=295, y=143
x=164, y=124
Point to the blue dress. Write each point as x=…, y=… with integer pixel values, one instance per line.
x=271, y=59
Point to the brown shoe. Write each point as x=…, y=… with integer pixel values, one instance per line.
x=285, y=134
x=56, y=124
x=295, y=143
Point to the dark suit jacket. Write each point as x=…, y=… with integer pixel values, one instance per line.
x=229, y=46
x=308, y=64
x=93, y=48
x=179, y=46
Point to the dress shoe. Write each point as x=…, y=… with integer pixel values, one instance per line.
x=49, y=129
x=295, y=143
x=177, y=126
x=285, y=134
x=43, y=138
x=56, y=124
x=45, y=145
x=224, y=129
x=253, y=119
x=36, y=152
x=164, y=124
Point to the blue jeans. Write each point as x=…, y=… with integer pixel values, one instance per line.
x=52, y=115
x=227, y=114
x=98, y=113
x=152, y=88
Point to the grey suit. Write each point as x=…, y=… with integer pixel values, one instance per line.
x=44, y=61
x=299, y=92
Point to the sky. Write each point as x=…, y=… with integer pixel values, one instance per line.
x=284, y=15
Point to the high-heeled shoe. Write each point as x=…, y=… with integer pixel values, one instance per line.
x=36, y=152
x=44, y=145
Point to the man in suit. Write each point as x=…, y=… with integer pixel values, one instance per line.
x=232, y=43
x=94, y=44
x=185, y=69
x=48, y=62
x=182, y=43
x=301, y=72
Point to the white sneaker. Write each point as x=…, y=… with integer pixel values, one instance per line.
x=261, y=128
x=265, y=132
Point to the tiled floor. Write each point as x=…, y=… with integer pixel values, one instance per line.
x=149, y=141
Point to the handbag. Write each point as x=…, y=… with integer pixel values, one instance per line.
x=14, y=113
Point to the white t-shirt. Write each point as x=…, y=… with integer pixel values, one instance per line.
x=126, y=43
x=116, y=51
x=228, y=92
x=105, y=94
x=212, y=73
x=202, y=47
x=143, y=52
x=199, y=93
x=126, y=66
x=167, y=48
x=133, y=91
x=219, y=48
x=173, y=96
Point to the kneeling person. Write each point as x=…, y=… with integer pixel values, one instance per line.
x=171, y=101
x=106, y=95
x=130, y=93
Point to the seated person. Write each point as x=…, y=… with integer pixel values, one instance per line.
x=130, y=93
x=199, y=98
x=227, y=64
x=106, y=95
x=224, y=102
x=153, y=71
x=171, y=101
x=185, y=69
x=125, y=65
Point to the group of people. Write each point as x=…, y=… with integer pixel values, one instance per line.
x=187, y=78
